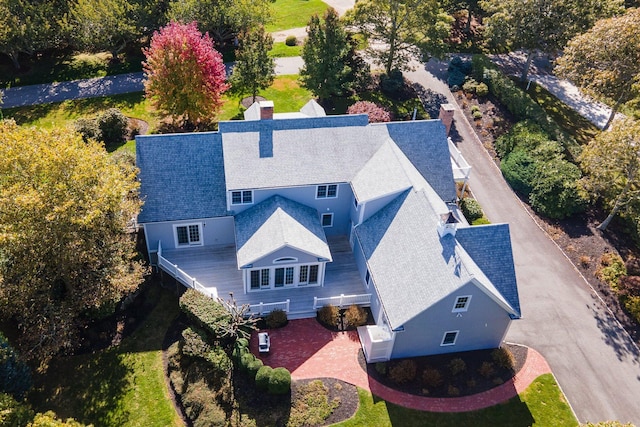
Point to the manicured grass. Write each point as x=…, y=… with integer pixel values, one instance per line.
x=122, y=386
x=286, y=94
x=577, y=126
x=294, y=13
x=542, y=404
x=62, y=114
x=281, y=50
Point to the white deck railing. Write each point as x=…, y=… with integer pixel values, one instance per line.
x=342, y=300
x=461, y=168
x=182, y=277
x=266, y=308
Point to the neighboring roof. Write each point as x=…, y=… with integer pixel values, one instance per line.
x=425, y=145
x=181, y=176
x=490, y=248
x=276, y=223
x=401, y=245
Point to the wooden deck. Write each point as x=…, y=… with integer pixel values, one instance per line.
x=217, y=267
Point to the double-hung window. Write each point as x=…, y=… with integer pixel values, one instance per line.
x=327, y=191
x=244, y=197
x=327, y=220
x=461, y=304
x=188, y=235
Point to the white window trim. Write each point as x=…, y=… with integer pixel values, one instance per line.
x=296, y=276
x=327, y=191
x=462, y=309
x=186, y=245
x=242, y=202
x=322, y=219
x=442, y=343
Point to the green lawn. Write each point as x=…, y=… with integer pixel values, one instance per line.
x=577, y=126
x=294, y=13
x=122, y=386
x=542, y=404
x=281, y=50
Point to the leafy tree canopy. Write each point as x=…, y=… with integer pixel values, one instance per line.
x=254, y=69
x=64, y=254
x=185, y=76
x=605, y=61
x=399, y=30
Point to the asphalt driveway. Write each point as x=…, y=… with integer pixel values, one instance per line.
x=595, y=361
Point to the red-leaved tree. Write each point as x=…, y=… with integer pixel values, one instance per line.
x=185, y=75
x=377, y=114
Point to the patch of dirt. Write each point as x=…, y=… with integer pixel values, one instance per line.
x=137, y=127
x=577, y=236
x=248, y=101
x=472, y=380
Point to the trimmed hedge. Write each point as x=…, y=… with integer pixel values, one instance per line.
x=263, y=377
x=194, y=343
x=279, y=381
x=471, y=209
x=276, y=319
x=15, y=376
x=254, y=367
x=205, y=312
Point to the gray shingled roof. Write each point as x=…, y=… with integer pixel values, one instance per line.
x=425, y=144
x=276, y=223
x=181, y=176
x=402, y=246
x=490, y=248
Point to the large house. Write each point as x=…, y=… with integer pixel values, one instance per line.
x=302, y=209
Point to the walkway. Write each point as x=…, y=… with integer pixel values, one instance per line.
x=308, y=350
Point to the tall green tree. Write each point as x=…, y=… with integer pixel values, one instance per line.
x=26, y=26
x=99, y=25
x=65, y=256
x=254, y=69
x=224, y=20
x=401, y=30
x=611, y=163
x=605, y=61
x=185, y=76
x=541, y=25
x=325, y=54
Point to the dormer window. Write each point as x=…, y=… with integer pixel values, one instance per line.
x=327, y=191
x=242, y=197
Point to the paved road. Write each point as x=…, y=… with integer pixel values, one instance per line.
x=595, y=361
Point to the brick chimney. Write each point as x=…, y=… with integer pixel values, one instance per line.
x=266, y=110
x=446, y=115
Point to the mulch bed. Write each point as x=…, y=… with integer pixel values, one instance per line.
x=466, y=383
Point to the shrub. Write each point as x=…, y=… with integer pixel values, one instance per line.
x=14, y=413
x=633, y=266
x=15, y=376
x=471, y=209
x=453, y=391
x=555, y=192
x=280, y=381
x=455, y=79
x=194, y=343
x=377, y=113
x=631, y=303
x=328, y=315
x=205, y=312
x=355, y=316
x=457, y=366
x=393, y=83
x=486, y=369
x=88, y=128
x=219, y=360
x=262, y=377
x=526, y=135
x=381, y=368
x=276, y=319
x=482, y=90
x=432, y=377
x=291, y=41
x=503, y=358
x=245, y=360
x=629, y=285
x=611, y=269
x=254, y=367
x=519, y=170
x=474, y=109
x=458, y=70
x=474, y=87
x=239, y=348
x=403, y=372
x=113, y=126
x=477, y=115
